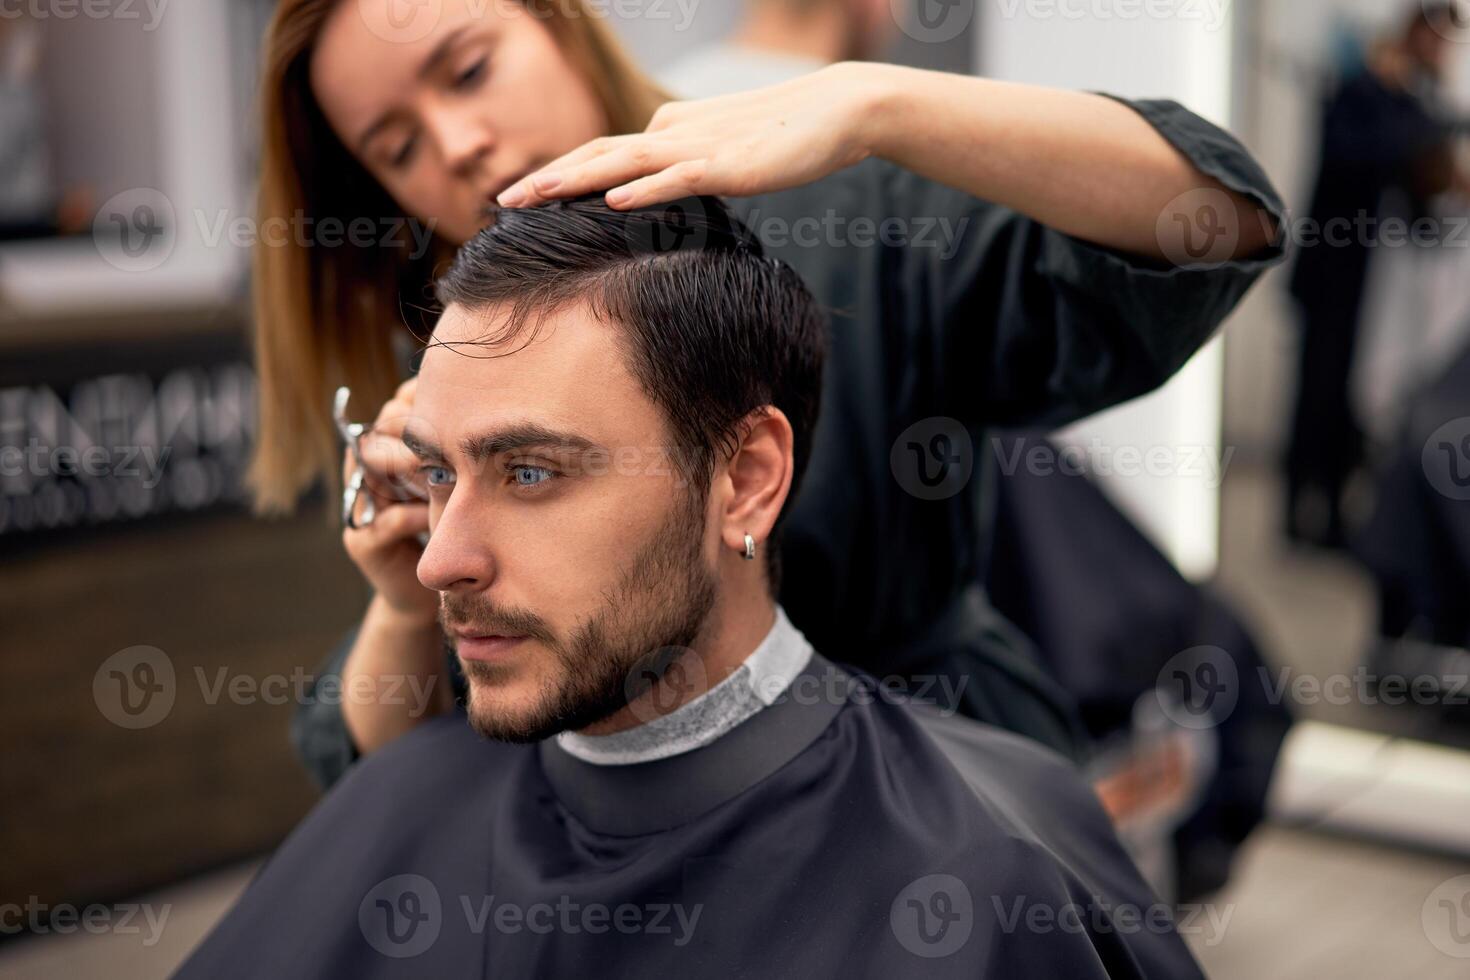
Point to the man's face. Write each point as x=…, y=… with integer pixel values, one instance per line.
x=566, y=548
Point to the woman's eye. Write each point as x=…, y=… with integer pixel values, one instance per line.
x=437, y=476
x=471, y=75
x=530, y=476
x=405, y=153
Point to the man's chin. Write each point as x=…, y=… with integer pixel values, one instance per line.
x=507, y=705
x=511, y=705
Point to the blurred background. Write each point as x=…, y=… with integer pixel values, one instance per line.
x=1302, y=488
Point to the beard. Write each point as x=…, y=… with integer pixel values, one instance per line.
x=646, y=624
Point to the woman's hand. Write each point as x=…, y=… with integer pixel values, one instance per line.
x=737, y=145
x=387, y=550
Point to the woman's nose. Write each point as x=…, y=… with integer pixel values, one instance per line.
x=464, y=140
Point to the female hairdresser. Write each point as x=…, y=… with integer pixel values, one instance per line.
x=1022, y=279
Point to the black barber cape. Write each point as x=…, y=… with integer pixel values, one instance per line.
x=835, y=833
x=948, y=314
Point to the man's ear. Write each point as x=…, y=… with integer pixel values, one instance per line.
x=760, y=478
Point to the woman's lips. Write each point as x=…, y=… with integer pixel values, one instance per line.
x=486, y=647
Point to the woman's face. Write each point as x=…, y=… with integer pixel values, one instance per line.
x=448, y=120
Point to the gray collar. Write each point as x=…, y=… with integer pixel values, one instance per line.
x=754, y=685
x=650, y=797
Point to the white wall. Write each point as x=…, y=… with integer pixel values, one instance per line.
x=1093, y=44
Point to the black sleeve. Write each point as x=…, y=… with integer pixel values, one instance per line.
x=318, y=729
x=1030, y=326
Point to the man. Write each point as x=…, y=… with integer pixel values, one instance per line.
x=612, y=414
x=1387, y=150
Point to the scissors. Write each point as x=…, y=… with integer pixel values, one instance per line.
x=352, y=435
x=378, y=484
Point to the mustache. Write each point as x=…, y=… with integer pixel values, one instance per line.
x=477, y=615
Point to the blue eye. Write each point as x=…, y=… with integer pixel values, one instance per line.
x=529, y=476
x=437, y=476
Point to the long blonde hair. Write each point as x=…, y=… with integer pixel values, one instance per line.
x=329, y=316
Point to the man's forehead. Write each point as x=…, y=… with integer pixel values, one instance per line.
x=562, y=369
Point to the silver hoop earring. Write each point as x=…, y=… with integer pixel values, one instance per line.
x=749, y=554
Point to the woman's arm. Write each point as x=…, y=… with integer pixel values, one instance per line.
x=1083, y=164
x=340, y=720
x=395, y=677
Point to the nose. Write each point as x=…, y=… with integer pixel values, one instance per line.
x=456, y=559
x=465, y=140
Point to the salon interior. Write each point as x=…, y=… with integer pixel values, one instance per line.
x=1340, y=845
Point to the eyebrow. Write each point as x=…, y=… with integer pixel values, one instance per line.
x=486, y=445
x=440, y=52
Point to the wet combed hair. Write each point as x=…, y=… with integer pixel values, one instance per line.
x=712, y=329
